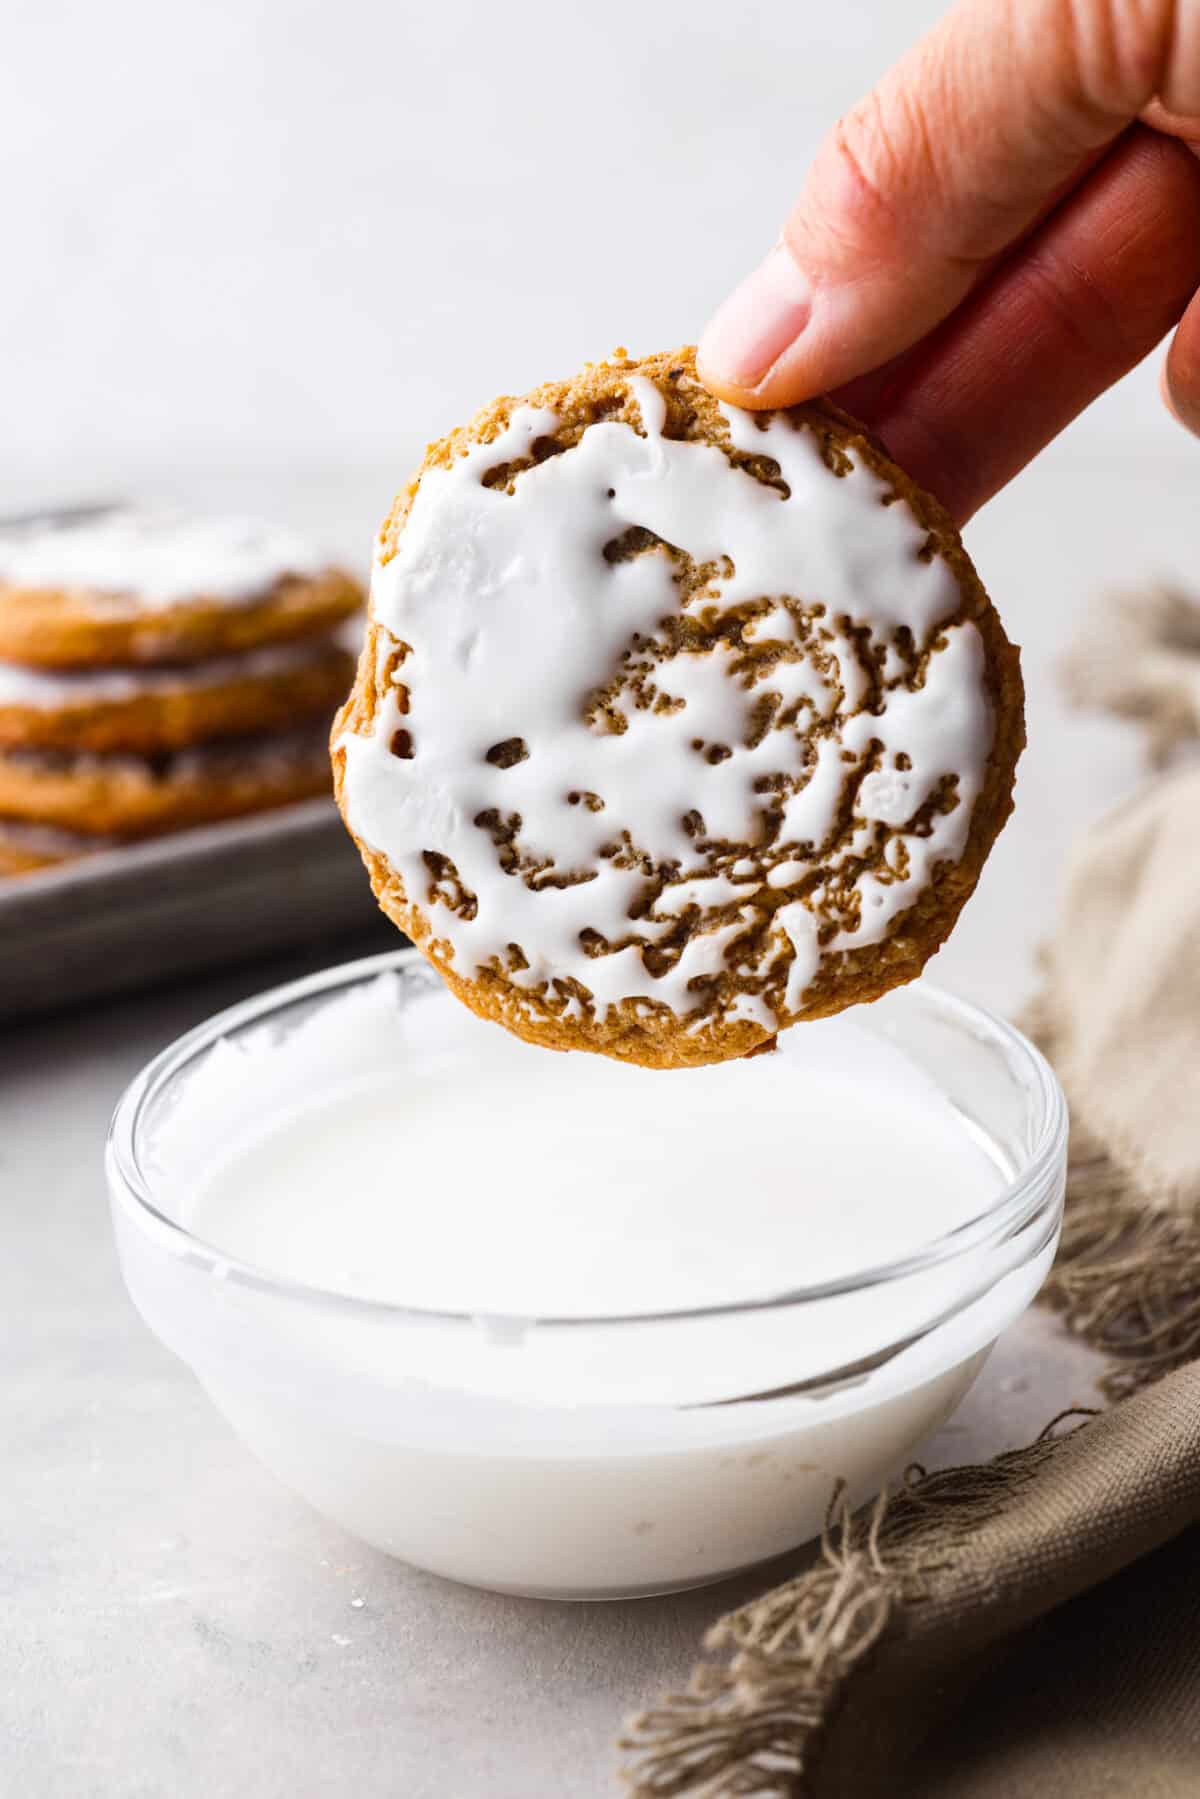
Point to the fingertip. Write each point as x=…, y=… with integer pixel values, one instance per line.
x=729, y=392
x=776, y=390
x=753, y=330
x=1179, y=380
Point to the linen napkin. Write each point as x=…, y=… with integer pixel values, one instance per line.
x=1030, y=1626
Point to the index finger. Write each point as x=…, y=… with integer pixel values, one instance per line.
x=947, y=163
x=1089, y=294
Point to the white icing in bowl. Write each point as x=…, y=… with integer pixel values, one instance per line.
x=514, y=1318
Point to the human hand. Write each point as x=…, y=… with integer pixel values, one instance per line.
x=1003, y=228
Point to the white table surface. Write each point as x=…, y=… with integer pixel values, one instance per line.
x=174, y=1623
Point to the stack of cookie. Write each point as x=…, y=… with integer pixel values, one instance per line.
x=158, y=672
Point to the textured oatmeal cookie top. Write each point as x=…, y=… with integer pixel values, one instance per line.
x=676, y=724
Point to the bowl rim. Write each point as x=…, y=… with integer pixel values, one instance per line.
x=1032, y=1192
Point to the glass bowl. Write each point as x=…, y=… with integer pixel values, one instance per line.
x=552, y=1456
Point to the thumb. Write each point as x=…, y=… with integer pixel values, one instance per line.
x=958, y=151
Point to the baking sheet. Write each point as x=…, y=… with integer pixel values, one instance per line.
x=139, y=915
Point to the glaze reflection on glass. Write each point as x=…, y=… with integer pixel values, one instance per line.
x=571, y=1406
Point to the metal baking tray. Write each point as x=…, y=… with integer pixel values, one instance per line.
x=147, y=913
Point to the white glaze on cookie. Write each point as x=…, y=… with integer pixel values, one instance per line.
x=520, y=631
x=60, y=690
x=150, y=561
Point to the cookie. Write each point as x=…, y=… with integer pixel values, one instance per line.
x=128, y=587
x=131, y=796
x=677, y=725
x=26, y=848
x=151, y=709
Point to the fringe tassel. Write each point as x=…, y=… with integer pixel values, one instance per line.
x=751, y=1719
x=1127, y=1275
x=1127, y=1279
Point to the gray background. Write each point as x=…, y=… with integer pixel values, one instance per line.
x=264, y=231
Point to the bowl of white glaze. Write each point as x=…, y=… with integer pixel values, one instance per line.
x=555, y=1326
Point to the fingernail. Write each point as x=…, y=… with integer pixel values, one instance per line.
x=758, y=321
x=1178, y=400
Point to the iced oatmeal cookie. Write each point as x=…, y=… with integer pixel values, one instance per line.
x=127, y=587
x=676, y=724
x=141, y=796
x=145, y=710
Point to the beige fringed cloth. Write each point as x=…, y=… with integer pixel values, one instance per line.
x=1030, y=1629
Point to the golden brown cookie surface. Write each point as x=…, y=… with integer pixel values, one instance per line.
x=130, y=587
x=151, y=709
x=677, y=724
x=131, y=796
